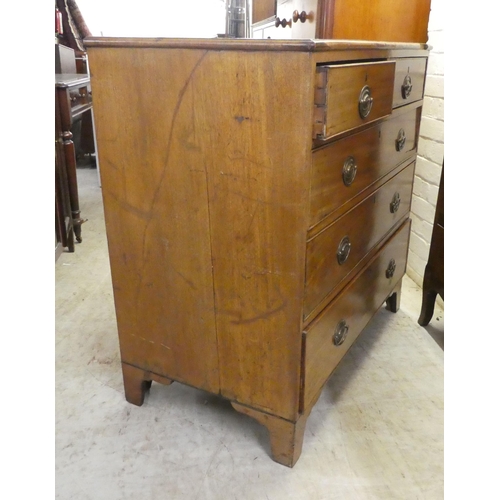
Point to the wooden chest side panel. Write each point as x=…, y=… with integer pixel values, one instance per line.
x=258, y=187
x=154, y=185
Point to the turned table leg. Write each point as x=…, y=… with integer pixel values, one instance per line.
x=69, y=149
x=286, y=437
x=137, y=382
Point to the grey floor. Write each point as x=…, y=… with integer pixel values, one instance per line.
x=375, y=433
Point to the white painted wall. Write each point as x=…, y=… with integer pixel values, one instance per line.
x=155, y=18
x=430, y=149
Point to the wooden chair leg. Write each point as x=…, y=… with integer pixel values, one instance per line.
x=286, y=437
x=428, y=302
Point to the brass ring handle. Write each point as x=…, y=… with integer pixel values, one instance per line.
x=406, y=87
x=394, y=205
x=389, y=273
x=349, y=170
x=343, y=250
x=302, y=16
x=340, y=334
x=400, y=140
x=365, y=101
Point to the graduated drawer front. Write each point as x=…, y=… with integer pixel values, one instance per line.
x=364, y=226
x=370, y=154
x=409, y=80
x=339, y=90
x=80, y=96
x=356, y=305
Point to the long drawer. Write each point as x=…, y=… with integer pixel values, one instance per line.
x=336, y=251
x=329, y=337
x=350, y=95
x=345, y=168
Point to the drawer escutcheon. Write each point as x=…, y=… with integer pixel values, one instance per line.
x=343, y=250
x=396, y=201
x=406, y=87
x=391, y=269
x=365, y=101
x=401, y=140
x=349, y=170
x=340, y=334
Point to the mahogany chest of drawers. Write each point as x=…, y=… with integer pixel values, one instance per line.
x=256, y=198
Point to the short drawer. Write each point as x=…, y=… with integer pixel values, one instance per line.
x=80, y=97
x=345, y=168
x=409, y=80
x=350, y=95
x=329, y=337
x=333, y=254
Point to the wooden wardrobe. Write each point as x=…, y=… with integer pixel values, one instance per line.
x=375, y=20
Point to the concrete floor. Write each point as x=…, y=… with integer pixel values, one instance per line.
x=375, y=433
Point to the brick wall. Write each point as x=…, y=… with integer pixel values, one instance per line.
x=430, y=149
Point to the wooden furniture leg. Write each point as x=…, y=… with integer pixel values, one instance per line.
x=286, y=437
x=69, y=150
x=429, y=295
x=137, y=382
x=394, y=300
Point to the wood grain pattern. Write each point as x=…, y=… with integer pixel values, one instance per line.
x=154, y=185
x=388, y=20
x=263, y=9
x=343, y=84
x=365, y=225
x=356, y=305
x=375, y=154
x=258, y=198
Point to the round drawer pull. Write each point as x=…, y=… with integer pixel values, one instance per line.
x=340, y=334
x=282, y=22
x=349, y=170
x=389, y=273
x=365, y=101
x=401, y=140
x=396, y=201
x=302, y=16
x=343, y=250
x=406, y=87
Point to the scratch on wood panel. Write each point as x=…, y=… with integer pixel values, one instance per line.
x=186, y=280
x=142, y=338
x=240, y=119
x=159, y=186
x=257, y=317
x=271, y=202
x=246, y=159
x=127, y=207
